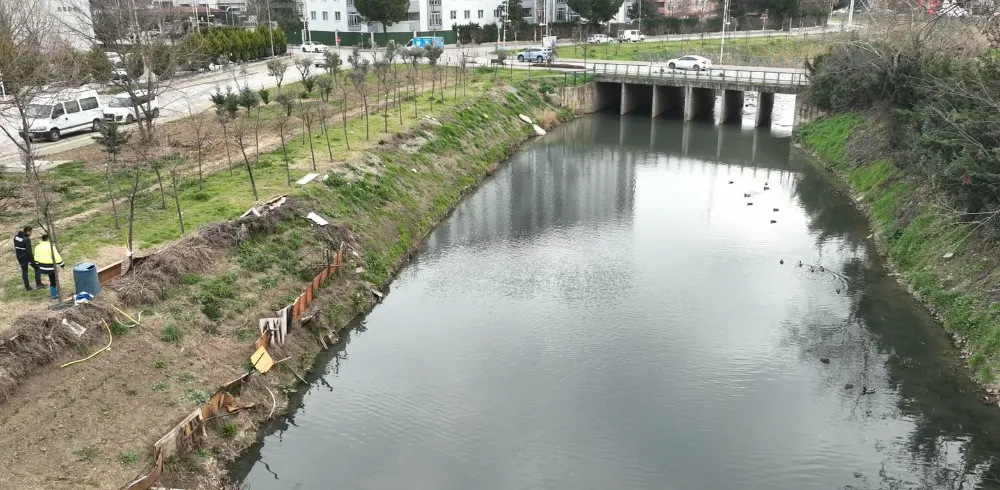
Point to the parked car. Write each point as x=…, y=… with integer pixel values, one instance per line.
x=631, y=36
x=52, y=115
x=311, y=47
x=599, y=39
x=123, y=109
x=536, y=54
x=690, y=62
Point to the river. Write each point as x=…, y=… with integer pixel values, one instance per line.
x=608, y=311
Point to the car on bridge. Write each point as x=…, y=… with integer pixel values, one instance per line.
x=690, y=62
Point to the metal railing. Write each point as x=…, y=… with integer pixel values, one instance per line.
x=767, y=77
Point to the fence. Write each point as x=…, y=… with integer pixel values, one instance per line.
x=734, y=75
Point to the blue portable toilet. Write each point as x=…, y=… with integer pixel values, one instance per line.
x=85, y=278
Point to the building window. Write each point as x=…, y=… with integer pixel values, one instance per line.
x=560, y=15
x=413, y=16
x=435, y=18
x=350, y=3
x=353, y=20
x=480, y=14
x=336, y=16
x=468, y=14
x=312, y=15
x=326, y=16
x=496, y=13
x=454, y=14
x=434, y=2
x=527, y=13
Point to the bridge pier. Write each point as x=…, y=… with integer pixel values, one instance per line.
x=666, y=98
x=698, y=103
x=765, y=107
x=732, y=106
x=635, y=95
x=804, y=111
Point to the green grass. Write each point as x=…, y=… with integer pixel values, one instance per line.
x=171, y=333
x=128, y=458
x=198, y=397
x=87, y=454
x=916, y=237
x=228, y=430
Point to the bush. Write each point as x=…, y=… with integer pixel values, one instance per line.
x=265, y=95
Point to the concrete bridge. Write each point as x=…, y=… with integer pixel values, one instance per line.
x=691, y=94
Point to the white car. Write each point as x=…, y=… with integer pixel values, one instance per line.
x=599, y=39
x=690, y=62
x=536, y=54
x=52, y=115
x=311, y=47
x=123, y=109
x=320, y=61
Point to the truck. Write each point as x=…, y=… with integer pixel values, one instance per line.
x=425, y=42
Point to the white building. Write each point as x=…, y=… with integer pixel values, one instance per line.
x=424, y=15
x=71, y=21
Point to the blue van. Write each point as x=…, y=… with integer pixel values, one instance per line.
x=424, y=42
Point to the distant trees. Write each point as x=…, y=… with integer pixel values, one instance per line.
x=385, y=12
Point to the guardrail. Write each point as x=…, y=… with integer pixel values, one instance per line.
x=784, y=78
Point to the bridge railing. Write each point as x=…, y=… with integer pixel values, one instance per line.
x=768, y=77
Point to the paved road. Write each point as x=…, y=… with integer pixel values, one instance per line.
x=192, y=94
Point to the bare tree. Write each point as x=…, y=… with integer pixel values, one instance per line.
x=359, y=78
x=344, y=90
x=324, y=85
x=197, y=121
x=226, y=105
x=112, y=139
x=174, y=164
x=149, y=62
x=282, y=132
x=304, y=66
x=333, y=62
x=25, y=33
x=433, y=54
x=382, y=75
x=276, y=67
x=308, y=118
x=463, y=63
x=414, y=63
x=242, y=129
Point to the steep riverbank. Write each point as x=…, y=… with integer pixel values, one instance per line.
x=202, y=303
x=946, y=264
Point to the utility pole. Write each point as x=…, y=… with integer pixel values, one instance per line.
x=640, y=16
x=850, y=15
x=725, y=20
x=270, y=26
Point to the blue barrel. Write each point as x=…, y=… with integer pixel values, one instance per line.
x=85, y=278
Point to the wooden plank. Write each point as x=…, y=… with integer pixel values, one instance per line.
x=109, y=273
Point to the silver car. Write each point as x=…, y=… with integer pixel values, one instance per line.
x=535, y=54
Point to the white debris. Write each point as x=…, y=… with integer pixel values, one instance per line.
x=524, y=118
x=74, y=327
x=949, y=255
x=250, y=211
x=538, y=130
x=315, y=218
x=308, y=178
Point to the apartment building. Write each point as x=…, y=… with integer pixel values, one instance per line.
x=424, y=15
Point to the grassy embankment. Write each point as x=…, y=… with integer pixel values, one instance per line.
x=80, y=192
x=199, y=334
x=917, y=237
x=739, y=50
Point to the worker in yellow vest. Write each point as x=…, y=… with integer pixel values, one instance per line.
x=46, y=259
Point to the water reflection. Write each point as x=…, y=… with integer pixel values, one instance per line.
x=608, y=312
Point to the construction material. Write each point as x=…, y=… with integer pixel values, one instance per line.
x=308, y=178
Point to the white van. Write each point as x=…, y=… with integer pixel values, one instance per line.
x=51, y=115
x=123, y=109
x=631, y=36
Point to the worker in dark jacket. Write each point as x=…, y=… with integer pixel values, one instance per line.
x=47, y=257
x=26, y=258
